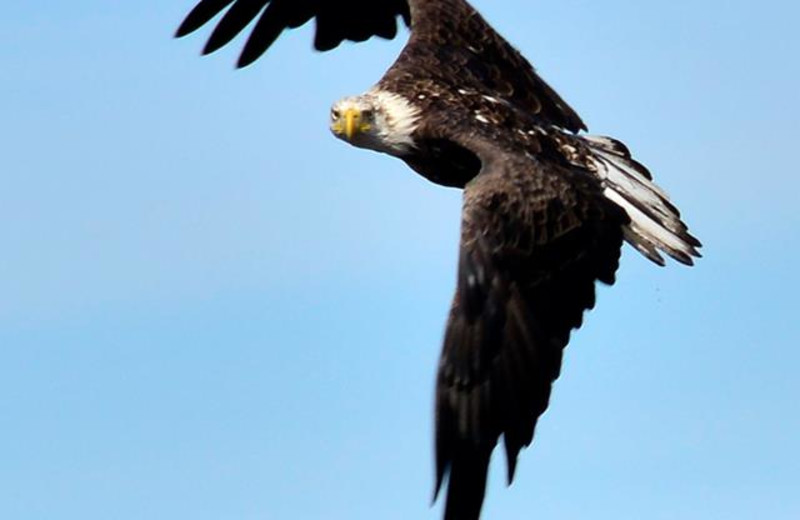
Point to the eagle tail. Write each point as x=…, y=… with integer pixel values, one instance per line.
x=656, y=224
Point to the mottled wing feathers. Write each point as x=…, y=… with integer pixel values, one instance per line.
x=466, y=48
x=336, y=21
x=535, y=237
x=656, y=226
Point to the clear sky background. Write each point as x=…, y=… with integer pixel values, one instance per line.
x=210, y=309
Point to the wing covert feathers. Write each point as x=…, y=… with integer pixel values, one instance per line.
x=469, y=51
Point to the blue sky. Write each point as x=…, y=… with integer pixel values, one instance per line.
x=211, y=309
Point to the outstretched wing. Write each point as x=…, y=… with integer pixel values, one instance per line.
x=337, y=20
x=448, y=37
x=535, y=237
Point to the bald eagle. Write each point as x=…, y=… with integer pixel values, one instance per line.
x=546, y=208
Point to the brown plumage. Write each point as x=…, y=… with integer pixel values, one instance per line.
x=545, y=210
x=534, y=238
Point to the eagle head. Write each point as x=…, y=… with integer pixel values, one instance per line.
x=378, y=120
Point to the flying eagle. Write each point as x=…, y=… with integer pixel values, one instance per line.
x=545, y=211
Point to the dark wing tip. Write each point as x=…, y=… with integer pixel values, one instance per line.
x=233, y=23
x=183, y=30
x=467, y=485
x=264, y=34
x=200, y=15
x=187, y=26
x=694, y=241
x=247, y=58
x=511, y=465
x=211, y=46
x=354, y=20
x=682, y=258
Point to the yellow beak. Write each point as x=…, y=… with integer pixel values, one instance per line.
x=352, y=118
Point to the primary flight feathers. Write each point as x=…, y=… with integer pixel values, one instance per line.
x=355, y=20
x=545, y=209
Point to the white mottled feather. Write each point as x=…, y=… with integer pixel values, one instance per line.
x=655, y=223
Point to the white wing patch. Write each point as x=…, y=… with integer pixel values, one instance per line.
x=655, y=223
